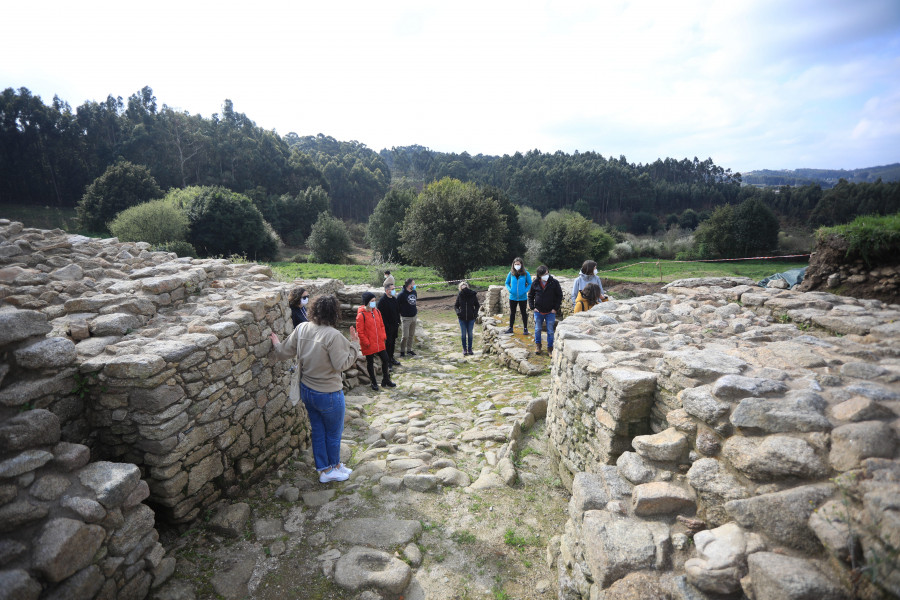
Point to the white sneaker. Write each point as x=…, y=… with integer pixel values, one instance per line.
x=344, y=469
x=333, y=475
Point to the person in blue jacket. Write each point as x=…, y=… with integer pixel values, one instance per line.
x=518, y=282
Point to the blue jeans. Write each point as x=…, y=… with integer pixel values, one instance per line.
x=465, y=333
x=539, y=320
x=326, y=424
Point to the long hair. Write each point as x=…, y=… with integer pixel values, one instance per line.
x=296, y=294
x=591, y=293
x=512, y=266
x=588, y=267
x=325, y=310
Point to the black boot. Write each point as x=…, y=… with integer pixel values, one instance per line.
x=375, y=386
x=388, y=383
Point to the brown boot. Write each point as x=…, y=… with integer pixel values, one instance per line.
x=538, y=344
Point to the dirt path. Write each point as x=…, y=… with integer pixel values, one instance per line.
x=463, y=538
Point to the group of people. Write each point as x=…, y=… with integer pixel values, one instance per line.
x=543, y=297
x=322, y=353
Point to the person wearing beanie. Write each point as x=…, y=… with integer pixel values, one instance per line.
x=390, y=314
x=372, y=336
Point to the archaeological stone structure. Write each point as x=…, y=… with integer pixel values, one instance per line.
x=134, y=386
x=723, y=439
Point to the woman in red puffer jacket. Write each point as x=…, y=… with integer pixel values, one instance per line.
x=372, y=336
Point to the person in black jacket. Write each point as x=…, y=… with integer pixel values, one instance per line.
x=406, y=302
x=545, y=299
x=466, y=311
x=390, y=314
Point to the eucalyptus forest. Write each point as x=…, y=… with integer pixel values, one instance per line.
x=50, y=153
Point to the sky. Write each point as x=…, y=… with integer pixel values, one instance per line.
x=753, y=84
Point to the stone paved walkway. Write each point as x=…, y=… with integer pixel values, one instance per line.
x=440, y=504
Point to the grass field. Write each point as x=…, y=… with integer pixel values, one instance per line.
x=638, y=270
x=633, y=271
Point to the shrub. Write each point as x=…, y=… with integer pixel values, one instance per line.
x=621, y=251
x=121, y=186
x=222, y=223
x=154, y=222
x=567, y=240
x=179, y=247
x=747, y=230
x=454, y=228
x=328, y=240
x=871, y=237
x=531, y=222
x=533, y=250
x=689, y=219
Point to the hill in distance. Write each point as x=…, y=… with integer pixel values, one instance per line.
x=827, y=178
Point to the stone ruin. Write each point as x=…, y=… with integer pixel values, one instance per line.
x=723, y=439
x=133, y=385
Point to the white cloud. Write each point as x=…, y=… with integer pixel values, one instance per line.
x=752, y=84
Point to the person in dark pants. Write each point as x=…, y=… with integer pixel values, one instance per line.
x=466, y=311
x=518, y=282
x=545, y=299
x=406, y=302
x=370, y=328
x=390, y=314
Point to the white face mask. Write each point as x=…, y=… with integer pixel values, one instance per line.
x=518, y=267
x=304, y=301
x=595, y=271
x=372, y=304
x=545, y=278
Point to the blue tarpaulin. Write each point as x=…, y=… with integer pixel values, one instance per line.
x=793, y=277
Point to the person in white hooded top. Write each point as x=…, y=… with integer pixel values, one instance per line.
x=588, y=275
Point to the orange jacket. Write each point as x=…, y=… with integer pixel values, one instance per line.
x=371, y=331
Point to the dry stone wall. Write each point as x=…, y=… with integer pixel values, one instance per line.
x=759, y=424
x=133, y=385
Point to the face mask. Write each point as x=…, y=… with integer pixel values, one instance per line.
x=518, y=267
x=304, y=301
x=595, y=271
x=544, y=278
x=390, y=293
x=372, y=304
x=415, y=286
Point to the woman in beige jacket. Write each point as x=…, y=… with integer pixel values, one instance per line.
x=322, y=354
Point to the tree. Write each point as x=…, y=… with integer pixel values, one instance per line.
x=297, y=214
x=567, y=241
x=514, y=241
x=715, y=236
x=531, y=222
x=121, y=186
x=453, y=227
x=155, y=222
x=222, y=223
x=329, y=240
x=643, y=223
x=383, y=229
x=688, y=219
x=755, y=228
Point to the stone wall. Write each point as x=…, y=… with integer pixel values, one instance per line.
x=760, y=424
x=69, y=528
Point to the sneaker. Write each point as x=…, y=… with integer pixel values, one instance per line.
x=510, y=330
x=524, y=332
x=375, y=386
x=402, y=355
x=395, y=362
x=333, y=475
x=410, y=352
x=344, y=469
x=388, y=383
